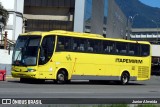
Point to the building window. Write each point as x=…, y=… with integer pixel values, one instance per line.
x=50, y=3
x=48, y=25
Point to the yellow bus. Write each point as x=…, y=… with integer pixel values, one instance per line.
x=63, y=56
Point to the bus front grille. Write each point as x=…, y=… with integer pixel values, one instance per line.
x=143, y=72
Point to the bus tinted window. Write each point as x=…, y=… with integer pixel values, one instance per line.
x=90, y=45
x=79, y=44
x=97, y=46
x=145, y=50
x=134, y=49
x=121, y=48
x=76, y=44
x=60, y=44
x=64, y=43
x=108, y=47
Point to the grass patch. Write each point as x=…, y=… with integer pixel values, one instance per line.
x=147, y=105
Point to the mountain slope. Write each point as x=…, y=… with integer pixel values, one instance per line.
x=145, y=13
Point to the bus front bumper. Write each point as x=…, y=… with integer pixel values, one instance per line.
x=23, y=74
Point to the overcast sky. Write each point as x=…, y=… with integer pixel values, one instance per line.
x=153, y=3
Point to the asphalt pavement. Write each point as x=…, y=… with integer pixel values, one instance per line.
x=12, y=88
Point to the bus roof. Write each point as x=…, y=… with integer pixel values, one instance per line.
x=78, y=34
x=61, y=32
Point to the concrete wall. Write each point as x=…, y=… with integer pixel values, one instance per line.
x=95, y=23
x=97, y=16
x=116, y=22
x=5, y=60
x=79, y=16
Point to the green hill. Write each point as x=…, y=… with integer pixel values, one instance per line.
x=145, y=13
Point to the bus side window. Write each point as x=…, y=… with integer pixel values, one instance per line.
x=90, y=45
x=60, y=46
x=82, y=44
x=75, y=44
x=64, y=43
x=145, y=50
x=123, y=51
x=117, y=51
x=74, y=48
x=81, y=47
x=134, y=49
x=108, y=47
x=97, y=46
x=46, y=50
x=137, y=50
x=131, y=52
x=67, y=43
x=121, y=48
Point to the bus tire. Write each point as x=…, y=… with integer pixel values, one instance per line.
x=124, y=78
x=61, y=77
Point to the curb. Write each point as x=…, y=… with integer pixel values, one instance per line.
x=9, y=77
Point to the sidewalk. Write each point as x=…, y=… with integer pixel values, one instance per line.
x=9, y=77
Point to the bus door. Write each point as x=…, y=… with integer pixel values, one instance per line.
x=46, y=64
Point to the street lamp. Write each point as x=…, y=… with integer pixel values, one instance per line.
x=128, y=27
x=157, y=28
x=130, y=24
x=133, y=19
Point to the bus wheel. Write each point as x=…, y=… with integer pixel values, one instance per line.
x=61, y=77
x=124, y=78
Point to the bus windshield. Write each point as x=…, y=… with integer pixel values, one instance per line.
x=26, y=51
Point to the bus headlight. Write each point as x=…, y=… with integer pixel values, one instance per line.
x=31, y=70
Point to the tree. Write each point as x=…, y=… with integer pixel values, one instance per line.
x=3, y=15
